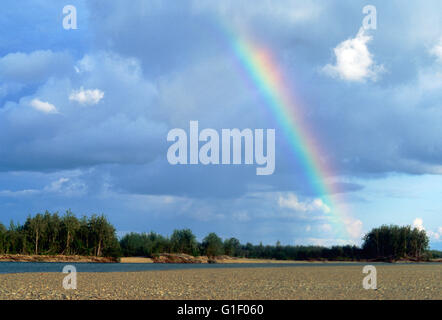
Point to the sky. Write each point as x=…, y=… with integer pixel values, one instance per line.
x=85, y=113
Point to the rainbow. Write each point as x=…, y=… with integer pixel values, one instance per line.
x=262, y=69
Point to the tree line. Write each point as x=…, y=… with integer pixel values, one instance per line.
x=384, y=243
x=51, y=234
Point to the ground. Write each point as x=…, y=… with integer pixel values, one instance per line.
x=423, y=281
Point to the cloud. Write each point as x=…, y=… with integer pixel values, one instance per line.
x=241, y=216
x=19, y=193
x=66, y=187
x=285, y=10
x=354, y=227
x=325, y=242
x=42, y=106
x=63, y=186
x=56, y=186
x=182, y=68
x=291, y=201
x=435, y=235
x=418, y=224
x=354, y=62
x=115, y=134
x=436, y=51
x=86, y=97
x=199, y=81
x=21, y=73
x=34, y=67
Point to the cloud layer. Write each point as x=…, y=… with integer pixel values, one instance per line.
x=84, y=114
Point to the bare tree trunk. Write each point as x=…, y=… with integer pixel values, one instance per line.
x=36, y=242
x=99, y=248
x=67, y=243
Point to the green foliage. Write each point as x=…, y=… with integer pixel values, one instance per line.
x=144, y=245
x=288, y=252
x=232, y=246
x=3, y=233
x=434, y=254
x=184, y=241
x=213, y=245
x=394, y=242
x=49, y=234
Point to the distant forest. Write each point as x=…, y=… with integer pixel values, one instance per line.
x=52, y=234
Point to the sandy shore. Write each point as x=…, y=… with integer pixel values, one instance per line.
x=324, y=282
x=135, y=260
x=223, y=259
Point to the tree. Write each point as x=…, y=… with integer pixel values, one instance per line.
x=53, y=223
x=232, y=247
x=70, y=225
x=394, y=242
x=213, y=245
x=35, y=227
x=184, y=241
x=3, y=234
x=102, y=234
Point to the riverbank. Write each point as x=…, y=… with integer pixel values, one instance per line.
x=168, y=258
x=160, y=258
x=184, y=258
x=414, y=281
x=54, y=258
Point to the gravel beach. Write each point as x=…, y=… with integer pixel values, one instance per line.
x=324, y=282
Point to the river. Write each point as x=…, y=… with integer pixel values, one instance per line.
x=42, y=267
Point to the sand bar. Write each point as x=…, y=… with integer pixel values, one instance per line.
x=329, y=282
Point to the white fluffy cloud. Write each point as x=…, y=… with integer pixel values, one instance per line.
x=352, y=225
x=292, y=202
x=436, y=235
x=86, y=97
x=43, y=106
x=437, y=51
x=418, y=223
x=354, y=62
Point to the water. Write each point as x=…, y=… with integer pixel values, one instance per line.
x=20, y=267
